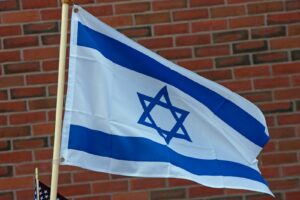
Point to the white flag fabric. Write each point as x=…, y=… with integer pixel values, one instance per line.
x=131, y=112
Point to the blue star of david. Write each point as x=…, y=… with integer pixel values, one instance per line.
x=162, y=99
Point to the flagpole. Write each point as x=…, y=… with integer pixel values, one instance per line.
x=60, y=97
x=37, y=187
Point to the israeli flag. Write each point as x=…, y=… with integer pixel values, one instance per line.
x=131, y=112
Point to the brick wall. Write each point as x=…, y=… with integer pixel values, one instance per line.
x=249, y=46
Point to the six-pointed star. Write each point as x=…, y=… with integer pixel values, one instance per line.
x=162, y=99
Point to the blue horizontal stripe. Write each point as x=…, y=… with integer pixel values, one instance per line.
x=142, y=149
x=132, y=59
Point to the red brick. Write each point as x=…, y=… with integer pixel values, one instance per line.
x=252, y=46
x=276, y=107
x=270, y=172
x=205, y=3
x=288, y=119
x=216, y=50
x=285, y=43
x=197, y=64
x=295, y=81
x=73, y=190
x=15, y=157
x=292, y=5
x=50, y=14
x=176, y=182
x=168, y=4
x=267, y=32
x=50, y=65
x=7, y=56
x=50, y=39
x=15, y=183
x=293, y=144
x=10, y=30
x=270, y=57
x=21, y=16
x=170, y=29
x=201, y=191
x=241, y=1
x=118, y=21
x=41, y=78
x=9, y=5
x=157, y=43
x=112, y=186
x=292, y=195
x=232, y=61
x=3, y=95
x=176, y=53
x=168, y=194
x=3, y=120
x=18, y=42
x=230, y=36
x=190, y=14
x=10, y=81
x=294, y=29
x=147, y=183
x=255, y=71
x=136, y=32
x=211, y=25
x=293, y=170
x=258, y=96
x=38, y=4
x=6, y=171
x=192, y=40
x=238, y=85
x=247, y=22
x=216, y=75
x=40, y=53
x=262, y=197
x=98, y=11
x=43, y=154
x=12, y=106
x=132, y=7
x=25, y=118
x=284, y=18
x=152, y=18
x=48, y=27
x=43, y=129
x=286, y=68
x=284, y=184
x=292, y=93
x=264, y=83
x=4, y=146
x=279, y=158
x=282, y=132
x=87, y=176
x=30, y=143
x=28, y=168
x=17, y=93
x=264, y=7
x=16, y=131
x=134, y=195
x=42, y=104
x=21, y=67
x=296, y=55
x=228, y=11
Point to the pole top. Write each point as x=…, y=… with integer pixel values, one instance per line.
x=65, y=1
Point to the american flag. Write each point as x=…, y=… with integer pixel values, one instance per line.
x=44, y=193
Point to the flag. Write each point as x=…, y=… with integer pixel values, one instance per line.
x=131, y=112
x=44, y=192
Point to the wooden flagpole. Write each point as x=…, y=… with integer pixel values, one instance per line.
x=37, y=184
x=60, y=97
